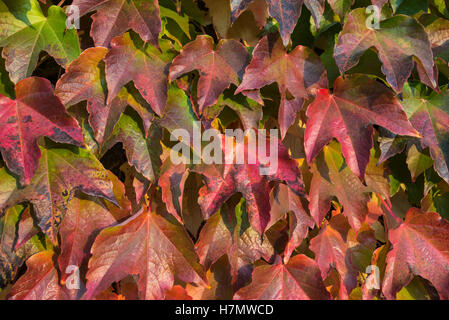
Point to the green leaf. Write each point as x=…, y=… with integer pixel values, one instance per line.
x=417, y=162
x=25, y=31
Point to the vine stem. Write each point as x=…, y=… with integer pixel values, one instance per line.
x=388, y=208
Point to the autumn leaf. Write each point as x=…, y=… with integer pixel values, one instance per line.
x=84, y=81
x=348, y=114
x=331, y=252
x=299, y=74
x=249, y=111
x=142, y=153
x=420, y=247
x=85, y=216
x=35, y=112
x=61, y=172
x=227, y=232
x=160, y=150
x=179, y=114
x=40, y=282
x=115, y=17
x=286, y=13
x=26, y=31
x=15, y=247
x=331, y=178
x=283, y=200
x=149, y=246
x=130, y=59
x=220, y=287
x=299, y=279
x=172, y=181
x=341, y=7
x=430, y=117
x=218, y=67
x=398, y=40
x=177, y=293
x=222, y=181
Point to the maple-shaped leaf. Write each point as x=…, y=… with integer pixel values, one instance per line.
x=286, y=12
x=84, y=80
x=341, y=253
x=282, y=201
x=61, y=172
x=299, y=74
x=331, y=178
x=40, y=281
x=331, y=251
x=142, y=153
x=218, y=68
x=398, y=40
x=146, y=245
x=35, y=112
x=420, y=248
x=115, y=17
x=430, y=117
x=85, y=217
x=26, y=31
x=222, y=181
x=299, y=279
x=348, y=114
x=130, y=59
x=228, y=232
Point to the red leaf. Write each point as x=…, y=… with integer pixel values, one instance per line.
x=331, y=178
x=331, y=253
x=286, y=13
x=177, y=293
x=146, y=245
x=224, y=234
x=172, y=181
x=397, y=40
x=299, y=73
x=40, y=282
x=36, y=112
x=115, y=17
x=299, y=279
x=420, y=247
x=430, y=116
x=85, y=217
x=282, y=201
x=348, y=114
x=131, y=60
x=222, y=181
x=61, y=172
x=218, y=68
x=84, y=80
